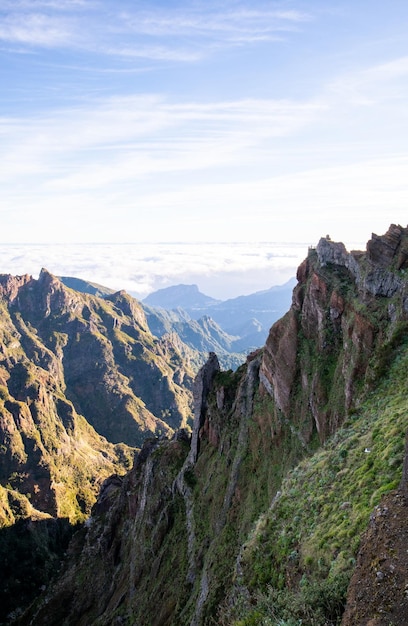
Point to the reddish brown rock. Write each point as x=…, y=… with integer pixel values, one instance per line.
x=378, y=591
x=381, y=250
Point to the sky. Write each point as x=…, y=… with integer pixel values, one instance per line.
x=200, y=122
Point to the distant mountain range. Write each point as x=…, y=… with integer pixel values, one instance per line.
x=286, y=503
x=246, y=319
x=187, y=297
x=231, y=328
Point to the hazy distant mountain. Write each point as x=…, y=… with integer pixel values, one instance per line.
x=203, y=335
x=247, y=319
x=231, y=328
x=198, y=337
x=188, y=297
x=265, y=307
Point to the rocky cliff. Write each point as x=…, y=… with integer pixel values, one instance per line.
x=82, y=383
x=77, y=371
x=257, y=518
x=346, y=307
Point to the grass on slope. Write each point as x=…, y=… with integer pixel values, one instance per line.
x=300, y=556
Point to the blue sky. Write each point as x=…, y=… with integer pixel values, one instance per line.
x=202, y=121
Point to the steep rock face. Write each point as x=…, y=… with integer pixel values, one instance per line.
x=154, y=563
x=102, y=356
x=345, y=306
x=202, y=387
x=201, y=532
x=65, y=356
x=138, y=527
x=81, y=380
x=389, y=249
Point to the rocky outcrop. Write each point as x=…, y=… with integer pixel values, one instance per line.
x=390, y=249
x=209, y=530
x=334, y=253
x=101, y=354
x=201, y=389
x=378, y=594
x=202, y=386
x=376, y=272
x=327, y=330
x=10, y=285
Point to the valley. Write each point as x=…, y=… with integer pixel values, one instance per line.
x=273, y=492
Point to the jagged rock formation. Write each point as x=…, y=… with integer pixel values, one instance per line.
x=100, y=353
x=333, y=328
x=258, y=516
x=201, y=389
x=201, y=336
x=192, y=338
x=82, y=382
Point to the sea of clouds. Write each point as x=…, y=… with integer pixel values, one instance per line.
x=221, y=270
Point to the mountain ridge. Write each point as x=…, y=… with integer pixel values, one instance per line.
x=266, y=306
x=182, y=296
x=64, y=356
x=232, y=328
x=255, y=519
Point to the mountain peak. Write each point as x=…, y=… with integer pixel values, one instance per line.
x=389, y=249
x=185, y=296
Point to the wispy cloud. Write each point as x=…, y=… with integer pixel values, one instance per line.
x=35, y=5
x=369, y=86
x=35, y=29
x=218, y=166
x=139, y=165
x=184, y=33
x=131, y=137
x=230, y=24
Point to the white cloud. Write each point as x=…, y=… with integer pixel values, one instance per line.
x=370, y=86
x=139, y=166
x=183, y=34
x=155, y=53
x=132, y=137
x=36, y=29
x=227, y=25
x=60, y=5
x=144, y=267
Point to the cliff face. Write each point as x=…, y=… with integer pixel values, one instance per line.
x=82, y=382
x=78, y=372
x=345, y=307
x=152, y=560
x=256, y=519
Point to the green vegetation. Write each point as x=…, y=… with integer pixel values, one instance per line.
x=264, y=528
x=301, y=553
